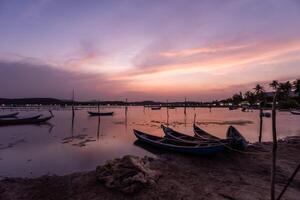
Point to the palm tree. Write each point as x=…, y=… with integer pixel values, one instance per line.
x=285, y=88
x=274, y=84
x=259, y=92
x=296, y=86
x=258, y=89
x=250, y=97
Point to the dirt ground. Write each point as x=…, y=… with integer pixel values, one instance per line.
x=229, y=175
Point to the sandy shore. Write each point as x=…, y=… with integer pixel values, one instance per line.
x=229, y=175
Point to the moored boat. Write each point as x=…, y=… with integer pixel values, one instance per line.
x=155, y=108
x=237, y=141
x=179, y=146
x=27, y=120
x=203, y=134
x=295, y=112
x=100, y=113
x=187, y=138
x=11, y=115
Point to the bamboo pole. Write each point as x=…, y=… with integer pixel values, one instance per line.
x=289, y=182
x=73, y=109
x=185, y=106
x=274, y=149
x=260, y=124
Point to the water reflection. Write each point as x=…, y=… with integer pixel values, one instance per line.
x=69, y=144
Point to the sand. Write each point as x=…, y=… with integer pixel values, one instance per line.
x=228, y=175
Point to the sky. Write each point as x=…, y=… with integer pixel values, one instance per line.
x=146, y=49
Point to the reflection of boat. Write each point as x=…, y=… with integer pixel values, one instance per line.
x=295, y=112
x=27, y=120
x=237, y=140
x=155, y=108
x=9, y=115
x=100, y=113
x=179, y=146
x=203, y=134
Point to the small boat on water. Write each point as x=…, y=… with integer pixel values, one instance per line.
x=233, y=107
x=11, y=115
x=155, y=108
x=236, y=138
x=179, y=146
x=266, y=114
x=187, y=138
x=27, y=120
x=100, y=113
x=295, y=112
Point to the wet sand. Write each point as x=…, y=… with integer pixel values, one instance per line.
x=229, y=175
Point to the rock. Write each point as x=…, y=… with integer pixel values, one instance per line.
x=129, y=174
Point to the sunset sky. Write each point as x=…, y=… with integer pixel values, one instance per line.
x=146, y=49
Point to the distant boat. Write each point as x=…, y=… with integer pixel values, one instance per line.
x=295, y=112
x=155, y=108
x=11, y=115
x=179, y=146
x=237, y=140
x=100, y=113
x=26, y=120
x=266, y=114
x=203, y=134
x=233, y=107
x=186, y=138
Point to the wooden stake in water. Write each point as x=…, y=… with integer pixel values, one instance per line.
x=184, y=106
x=195, y=118
x=73, y=109
x=167, y=113
x=274, y=149
x=260, y=124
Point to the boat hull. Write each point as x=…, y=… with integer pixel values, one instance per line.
x=101, y=113
x=178, y=146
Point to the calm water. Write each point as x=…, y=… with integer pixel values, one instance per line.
x=63, y=147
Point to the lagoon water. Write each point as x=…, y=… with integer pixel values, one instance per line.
x=64, y=145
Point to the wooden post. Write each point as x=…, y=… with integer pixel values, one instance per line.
x=195, y=118
x=260, y=124
x=167, y=113
x=73, y=109
x=185, y=106
x=274, y=149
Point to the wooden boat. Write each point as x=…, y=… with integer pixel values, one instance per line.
x=27, y=120
x=100, y=113
x=155, y=108
x=179, y=146
x=9, y=115
x=187, y=138
x=203, y=134
x=237, y=141
x=233, y=107
x=295, y=112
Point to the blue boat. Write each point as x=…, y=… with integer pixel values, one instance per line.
x=236, y=138
x=203, y=134
x=187, y=138
x=11, y=115
x=201, y=148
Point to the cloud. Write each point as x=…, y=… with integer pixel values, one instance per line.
x=25, y=79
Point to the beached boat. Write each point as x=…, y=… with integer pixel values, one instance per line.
x=237, y=141
x=100, y=113
x=9, y=115
x=187, y=138
x=295, y=112
x=203, y=134
x=155, y=108
x=179, y=146
x=27, y=120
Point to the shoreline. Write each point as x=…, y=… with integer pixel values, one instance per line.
x=228, y=175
